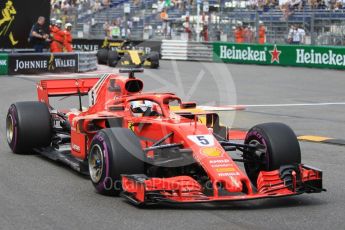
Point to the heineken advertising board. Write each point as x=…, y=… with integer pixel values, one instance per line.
x=283, y=55
x=3, y=64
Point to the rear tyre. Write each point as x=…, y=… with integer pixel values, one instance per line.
x=28, y=126
x=114, y=152
x=113, y=58
x=280, y=147
x=102, y=56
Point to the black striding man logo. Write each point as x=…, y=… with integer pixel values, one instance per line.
x=6, y=22
x=51, y=63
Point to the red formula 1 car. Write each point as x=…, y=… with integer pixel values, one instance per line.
x=132, y=143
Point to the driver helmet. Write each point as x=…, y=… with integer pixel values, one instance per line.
x=141, y=106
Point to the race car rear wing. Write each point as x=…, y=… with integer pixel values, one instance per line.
x=64, y=87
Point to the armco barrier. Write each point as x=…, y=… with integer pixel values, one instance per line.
x=199, y=51
x=87, y=61
x=280, y=55
x=176, y=50
x=183, y=50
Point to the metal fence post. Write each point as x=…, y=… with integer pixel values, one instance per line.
x=257, y=26
x=312, y=34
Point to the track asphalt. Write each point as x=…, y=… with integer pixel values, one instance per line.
x=36, y=193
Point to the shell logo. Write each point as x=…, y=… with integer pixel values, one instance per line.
x=224, y=170
x=212, y=152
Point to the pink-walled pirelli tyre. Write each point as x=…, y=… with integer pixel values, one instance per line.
x=28, y=126
x=279, y=147
x=114, y=152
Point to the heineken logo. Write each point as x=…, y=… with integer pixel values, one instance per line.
x=250, y=54
x=313, y=57
x=247, y=54
x=275, y=54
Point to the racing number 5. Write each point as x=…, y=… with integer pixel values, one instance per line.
x=202, y=140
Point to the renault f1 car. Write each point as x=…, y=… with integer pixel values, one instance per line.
x=124, y=55
x=132, y=144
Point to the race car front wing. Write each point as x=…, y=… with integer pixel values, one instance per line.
x=286, y=181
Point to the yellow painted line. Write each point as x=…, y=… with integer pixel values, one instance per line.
x=135, y=57
x=313, y=138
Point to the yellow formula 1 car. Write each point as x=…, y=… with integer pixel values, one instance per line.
x=124, y=54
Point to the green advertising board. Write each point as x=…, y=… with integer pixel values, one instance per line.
x=283, y=55
x=3, y=64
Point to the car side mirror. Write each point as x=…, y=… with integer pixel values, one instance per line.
x=188, y=105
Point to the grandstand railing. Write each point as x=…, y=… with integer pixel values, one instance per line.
x=322, y=26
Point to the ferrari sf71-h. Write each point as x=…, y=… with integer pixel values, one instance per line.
x=134, y=144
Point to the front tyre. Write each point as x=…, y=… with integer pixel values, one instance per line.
x=278, y=146
x=153, y=57
x=114, y=152
x=113, y=58
x=28, y=126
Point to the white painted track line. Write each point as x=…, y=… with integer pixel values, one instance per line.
x=295, y=105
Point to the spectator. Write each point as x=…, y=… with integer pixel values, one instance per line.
x=137, y=2
x=294, y=36
x=106, y=28
x=301, y=33
x=248, y=34
x=68, y=38
x=187, y=28
x=106, y=3
x=97, y=6
x=253, y=4
x=115, y=31
x=284, y=6
x=262, y=33
x=313, y=4
x=65, y=6
x=339, y=4
x=296, y=4
x=148, y=30
x=38, y=36
x=165, y=21
x=57, y=37
x=239, y=33
x=126, y=34
x=331, y=4
x=161, y=6
x=204, y=33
